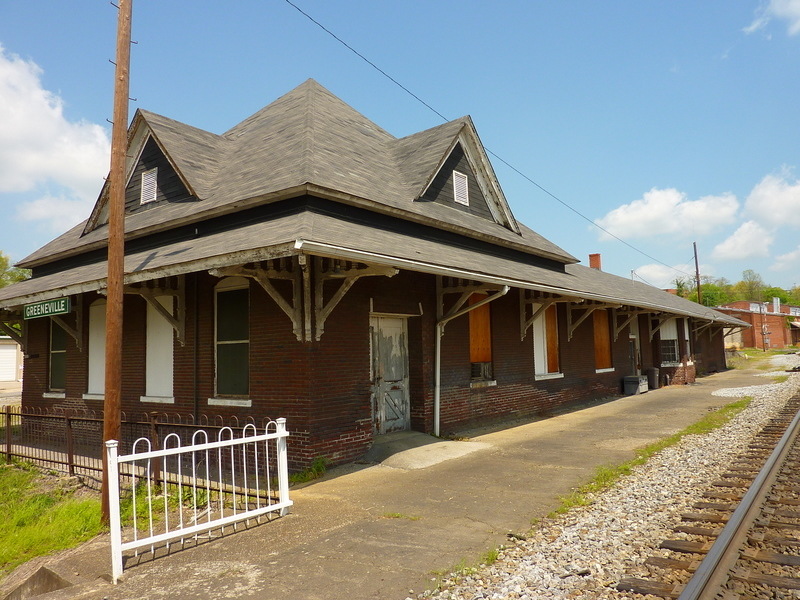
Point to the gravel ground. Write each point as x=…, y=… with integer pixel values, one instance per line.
x=583, y=554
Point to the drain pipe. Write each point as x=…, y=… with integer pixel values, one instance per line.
x=440, y=323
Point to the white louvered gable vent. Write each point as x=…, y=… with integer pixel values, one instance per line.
x=149, y=186
x=460, y=188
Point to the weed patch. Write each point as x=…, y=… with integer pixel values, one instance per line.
x=606, y=476
x=38, y=516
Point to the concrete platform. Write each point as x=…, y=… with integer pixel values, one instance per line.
x=415, y=506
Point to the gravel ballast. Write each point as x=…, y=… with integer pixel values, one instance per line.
x=584, y=553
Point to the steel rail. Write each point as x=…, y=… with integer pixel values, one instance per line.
x=713, y=571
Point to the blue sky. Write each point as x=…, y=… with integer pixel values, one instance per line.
x=666, y=123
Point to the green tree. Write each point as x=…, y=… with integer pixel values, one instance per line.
x=683, y=286
x=750, y=287
x=775, y=292
x=713, y=291
x=9, y=274
x=794, y=296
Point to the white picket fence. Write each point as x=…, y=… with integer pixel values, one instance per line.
x=185, y=492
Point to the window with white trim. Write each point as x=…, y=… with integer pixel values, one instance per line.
x=58, y=358
x=149, y=189
x=545, y=342
x=460, y=188
x=670, y=352
x=232, y=337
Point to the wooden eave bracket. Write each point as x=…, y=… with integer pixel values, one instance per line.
x=661, y=318
x=74, y=332
x=176, y=321
x=263, y=276
x=697, y=329
x=349, y=276
x=527, y=299
x=588, y=310
x=7, y=319
x=731, y=329
x=627, y=317
x=465, y=288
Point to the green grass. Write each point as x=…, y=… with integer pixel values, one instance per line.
x=317, y=469
x=396, y=515
x=607, y=476
x=38, y=517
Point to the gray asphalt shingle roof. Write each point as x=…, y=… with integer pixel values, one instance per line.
x=310, y=141
x=306, y=137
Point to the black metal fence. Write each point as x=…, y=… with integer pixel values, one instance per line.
x=71, y=441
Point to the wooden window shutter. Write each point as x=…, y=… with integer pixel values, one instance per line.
x=480, y=332
x=551, y=329
x=461, y=188
x=602, y=340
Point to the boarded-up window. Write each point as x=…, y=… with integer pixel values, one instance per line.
x=233, y=340
x=545, y=341
x=58, y=358
x=97, y=347
x=480, y=339
x=602, y=340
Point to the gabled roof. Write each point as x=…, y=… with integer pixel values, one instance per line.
x=307, y=141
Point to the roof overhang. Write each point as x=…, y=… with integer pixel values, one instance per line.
x=326, y=235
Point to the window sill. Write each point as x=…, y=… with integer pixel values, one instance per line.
x=157, y=399
x=483, y=383
x=545, y=376
x=610, y=370
x=93, y=397
x=55, y=395
x=244, y=402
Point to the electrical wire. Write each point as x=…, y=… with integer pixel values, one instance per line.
x=488, y=151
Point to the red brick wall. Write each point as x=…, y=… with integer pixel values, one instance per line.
x=324, y=389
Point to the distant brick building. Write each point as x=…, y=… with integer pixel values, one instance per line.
x=772, y=325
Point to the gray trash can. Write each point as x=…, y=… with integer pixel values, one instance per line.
x=652, y=378
x=634, y=384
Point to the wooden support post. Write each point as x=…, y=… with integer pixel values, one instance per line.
x=155, y=445
x=8, y=433
x=116, y=244
x=70, y=447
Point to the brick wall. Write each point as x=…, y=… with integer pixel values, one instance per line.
x=324, y=389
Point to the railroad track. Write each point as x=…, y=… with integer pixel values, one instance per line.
x=744, y=540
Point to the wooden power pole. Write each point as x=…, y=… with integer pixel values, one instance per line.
x=116, y=241
x=697, y=274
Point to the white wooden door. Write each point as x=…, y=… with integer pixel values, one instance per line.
x=8, y=362
x=391, y=408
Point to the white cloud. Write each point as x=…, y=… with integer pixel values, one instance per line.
x=70, y=211
x=669, y=212
x=660, y=276
x=41, y=150
x=787, y=261
x=787, y=10
x=751, y=240
x=775, y=200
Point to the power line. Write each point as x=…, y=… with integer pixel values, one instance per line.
x=501, y=159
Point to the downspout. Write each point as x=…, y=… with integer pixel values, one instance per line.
x=440, y=323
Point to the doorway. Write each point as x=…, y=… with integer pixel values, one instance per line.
x=391, y=407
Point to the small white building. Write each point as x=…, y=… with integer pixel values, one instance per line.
x=10, y=360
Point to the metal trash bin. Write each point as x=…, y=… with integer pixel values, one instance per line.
x=634, y=384
x=652, y=378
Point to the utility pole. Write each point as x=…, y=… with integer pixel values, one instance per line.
x=116, y=242
x=697, y=273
